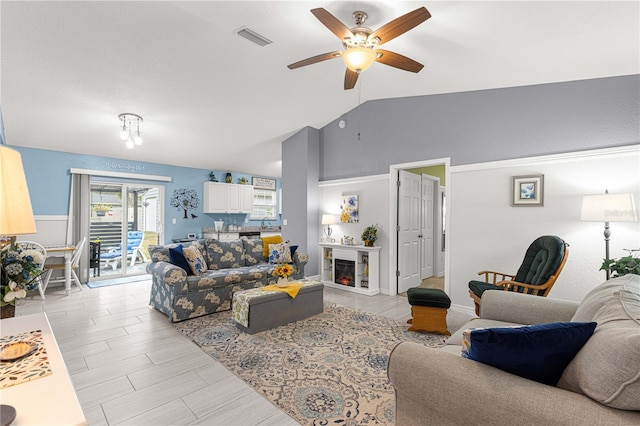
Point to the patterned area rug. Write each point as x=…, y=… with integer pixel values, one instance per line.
x=327, y=369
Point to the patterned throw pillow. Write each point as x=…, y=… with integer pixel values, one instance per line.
x=195, y=260
x=276, y=239
x=279, y=253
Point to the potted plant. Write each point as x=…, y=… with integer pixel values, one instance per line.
x=370, y=235
x=625, y=265
x=101, y=209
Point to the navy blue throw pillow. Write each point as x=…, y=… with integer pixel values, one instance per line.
x=536, y=352
x=293, y=250
x=178, y=259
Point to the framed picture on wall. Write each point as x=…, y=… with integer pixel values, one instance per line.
x=527, y=191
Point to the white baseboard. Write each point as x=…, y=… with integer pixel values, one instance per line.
x=463, y=309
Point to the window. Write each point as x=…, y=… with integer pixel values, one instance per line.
x=264, y=204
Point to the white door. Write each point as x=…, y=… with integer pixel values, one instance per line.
x=427, y=240
x=408, y=230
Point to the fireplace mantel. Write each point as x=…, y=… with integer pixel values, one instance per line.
x=365, y=262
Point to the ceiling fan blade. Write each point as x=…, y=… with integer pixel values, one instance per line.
x=315, y=59
x=350, y=79
x=400, y=25
x=397, y=60
x=331, y=22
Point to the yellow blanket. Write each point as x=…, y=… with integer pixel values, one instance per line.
x=292, y=289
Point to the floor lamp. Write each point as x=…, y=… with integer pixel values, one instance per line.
x=608, y=208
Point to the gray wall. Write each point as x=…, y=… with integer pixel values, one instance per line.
x=301, y=193
x=480, y=126
x=468, y=127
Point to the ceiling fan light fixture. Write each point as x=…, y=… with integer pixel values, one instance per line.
x=358, y=59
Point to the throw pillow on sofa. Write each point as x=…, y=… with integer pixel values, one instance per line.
x=279, y=253
x=536, y=352
x=275, y=239
x=608, y=368
x=177, y=258
x=195, y=260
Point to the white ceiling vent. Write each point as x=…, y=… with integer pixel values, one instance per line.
x=253, y=36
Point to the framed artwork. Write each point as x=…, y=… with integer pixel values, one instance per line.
x=349, y=209
x=263, y=183
x=527, y=191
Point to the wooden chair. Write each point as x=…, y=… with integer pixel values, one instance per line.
x=75, y=264
x=542, y=264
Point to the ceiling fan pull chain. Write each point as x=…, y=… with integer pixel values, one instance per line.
x=359, y=110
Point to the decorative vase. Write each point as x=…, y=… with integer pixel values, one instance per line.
x=7, y=311
x=368, y=243
x=283, y=282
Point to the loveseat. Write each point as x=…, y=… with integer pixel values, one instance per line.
x=600, y=385
x=229, y=266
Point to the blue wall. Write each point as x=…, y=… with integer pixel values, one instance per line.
x=49, y=181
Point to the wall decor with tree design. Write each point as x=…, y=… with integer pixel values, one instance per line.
x=186, y=200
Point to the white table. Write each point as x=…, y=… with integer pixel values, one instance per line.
x=50, y=400
x=67, y=252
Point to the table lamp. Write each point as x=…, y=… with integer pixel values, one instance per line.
x=16, y=216
x=328, y=219
x=608, y=208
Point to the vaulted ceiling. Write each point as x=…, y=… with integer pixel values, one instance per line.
x=213, y=100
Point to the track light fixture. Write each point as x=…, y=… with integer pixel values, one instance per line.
x=128, y=134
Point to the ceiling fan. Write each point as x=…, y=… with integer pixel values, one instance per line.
x=361, y=43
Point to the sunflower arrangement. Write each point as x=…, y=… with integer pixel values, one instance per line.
x=284, y=270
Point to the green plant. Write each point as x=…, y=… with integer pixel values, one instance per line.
x=370, y=233
x=101, y=207
x=625, y=265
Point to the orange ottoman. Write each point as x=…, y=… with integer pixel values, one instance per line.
x=428, y=310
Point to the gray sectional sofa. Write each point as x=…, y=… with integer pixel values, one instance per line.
x=600, y=386
x=231, y=266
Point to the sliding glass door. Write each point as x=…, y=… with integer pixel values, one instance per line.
x=125, y=219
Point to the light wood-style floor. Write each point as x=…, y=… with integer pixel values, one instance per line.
x=130, y=367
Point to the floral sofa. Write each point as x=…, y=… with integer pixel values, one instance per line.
x=230, y=266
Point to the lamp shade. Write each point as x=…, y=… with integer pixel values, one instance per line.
x=358, y=58
x=16, y=216
x=608, y=208
x=328, y=219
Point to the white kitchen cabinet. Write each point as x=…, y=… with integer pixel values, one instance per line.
x=227, y=198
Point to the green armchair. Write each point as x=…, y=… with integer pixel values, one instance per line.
x=540, y=269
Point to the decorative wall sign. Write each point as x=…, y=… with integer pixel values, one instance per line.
x=527, y=191
x=264, y=183
x=186, y=200
x=349, y=212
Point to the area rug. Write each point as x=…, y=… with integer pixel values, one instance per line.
x=326, y=369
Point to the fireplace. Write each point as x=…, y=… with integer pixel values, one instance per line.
x=345, y=271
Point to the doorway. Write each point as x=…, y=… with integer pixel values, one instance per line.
x=417, y=211
x=125, y=219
